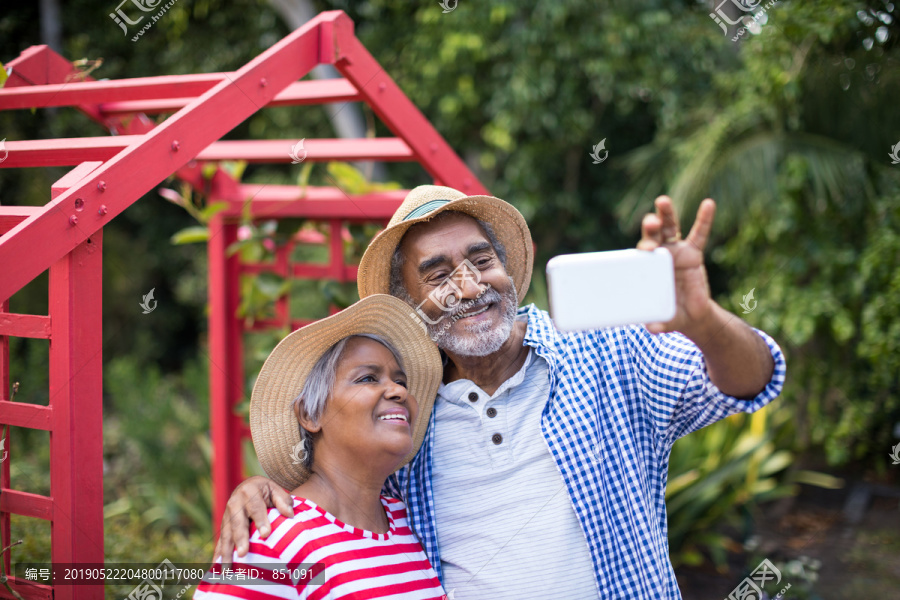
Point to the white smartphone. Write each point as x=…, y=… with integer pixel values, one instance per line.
x=608, y=289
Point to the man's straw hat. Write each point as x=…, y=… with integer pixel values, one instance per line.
x=422, y=204
x=273, y=423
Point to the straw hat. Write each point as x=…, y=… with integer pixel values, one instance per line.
x=273, y=423
x=422, y=204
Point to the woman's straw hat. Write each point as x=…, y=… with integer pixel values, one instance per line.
x=273, y=423
x=422, y=204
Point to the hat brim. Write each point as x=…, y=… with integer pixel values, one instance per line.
x=273, y=423
x=508, y=223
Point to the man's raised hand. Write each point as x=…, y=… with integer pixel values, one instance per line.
x=692, y=297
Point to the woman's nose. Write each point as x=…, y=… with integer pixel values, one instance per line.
x=395, y=391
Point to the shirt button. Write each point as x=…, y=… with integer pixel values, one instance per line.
x=497, y=438
x=492, y=412
x=473, y=396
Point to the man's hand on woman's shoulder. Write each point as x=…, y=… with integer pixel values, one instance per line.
x=251, y=500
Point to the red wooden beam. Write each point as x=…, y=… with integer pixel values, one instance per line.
x=306, y=271
x=33, y=244
x=10, y=216
x=73, y=177
x=40, y=65
x=65, y=152
x=22, y=414
x=318, y=150
x=280, y=201
x=26, y=504
x=28, y=590
x=27, y=326
x=298, y=93
x=75, y=93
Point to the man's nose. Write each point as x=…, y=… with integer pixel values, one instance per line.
x=470, y=285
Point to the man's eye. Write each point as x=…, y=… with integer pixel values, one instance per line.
x=483, y=262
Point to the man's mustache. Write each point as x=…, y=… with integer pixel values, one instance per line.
x=489, y=296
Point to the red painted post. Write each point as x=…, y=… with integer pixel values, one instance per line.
x=76, y=388
x=234, y=344
x=4, y=454
x=226, y=364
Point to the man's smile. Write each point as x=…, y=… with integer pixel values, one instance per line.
x=472, y=314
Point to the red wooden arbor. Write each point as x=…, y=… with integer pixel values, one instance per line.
x=108, y=175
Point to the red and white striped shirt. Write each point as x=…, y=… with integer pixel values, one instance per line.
x=347, y=562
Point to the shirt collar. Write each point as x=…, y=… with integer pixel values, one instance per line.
x=457, y=391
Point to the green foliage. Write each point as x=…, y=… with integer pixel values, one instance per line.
x=721, y=474
x=259, y=240
x=717, y=475
x=807, y=208
x=832, y=303
x=157, y=446
x=127, y=541
x=353, y=181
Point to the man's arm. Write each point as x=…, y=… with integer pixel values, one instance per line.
x=251, y=500
x=738, y=361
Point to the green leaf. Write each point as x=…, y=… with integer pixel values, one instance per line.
x=776, y=462
x=303, y=178
x=680, y=482
x=191, y=235
x=347, y=177
x=216, y=207
x=288, y=227
x=208, y=170
x=235, y=168
x=271, y=285
x=822, y=480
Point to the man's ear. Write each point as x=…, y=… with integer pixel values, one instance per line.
x=304, y=420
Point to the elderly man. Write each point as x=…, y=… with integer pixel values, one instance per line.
x=543, y=471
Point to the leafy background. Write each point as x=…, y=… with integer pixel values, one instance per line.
x=788, y=129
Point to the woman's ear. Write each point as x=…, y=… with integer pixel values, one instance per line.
x=304, y=420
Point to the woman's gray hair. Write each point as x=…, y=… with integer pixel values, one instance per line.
x=319, y=386
x=396, y=287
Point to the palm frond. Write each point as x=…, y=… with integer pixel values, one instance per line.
x=736, y=170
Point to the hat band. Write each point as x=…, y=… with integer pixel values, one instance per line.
x=424, y=209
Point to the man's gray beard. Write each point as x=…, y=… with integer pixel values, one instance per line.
x=481, y=339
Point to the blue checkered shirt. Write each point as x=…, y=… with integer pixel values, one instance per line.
x=619, y=398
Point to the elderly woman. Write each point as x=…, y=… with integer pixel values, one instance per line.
x=338, y=406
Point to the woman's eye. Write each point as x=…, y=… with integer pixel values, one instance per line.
x=366, y=379
x=401, y=382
